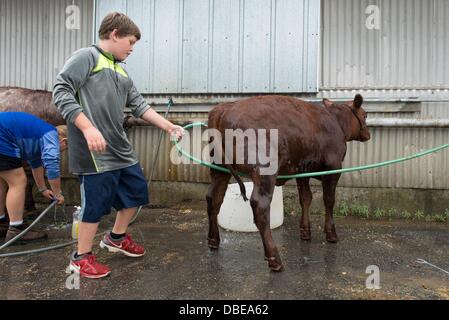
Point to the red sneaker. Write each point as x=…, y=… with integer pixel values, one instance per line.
x=126, y=246
x=87, y=267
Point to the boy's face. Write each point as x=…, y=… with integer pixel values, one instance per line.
x=122, y=46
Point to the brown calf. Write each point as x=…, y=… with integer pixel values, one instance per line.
x=310, y=138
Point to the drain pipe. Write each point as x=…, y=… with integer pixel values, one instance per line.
x=377, y=122
x=407, y=123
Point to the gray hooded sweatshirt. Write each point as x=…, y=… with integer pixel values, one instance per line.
x=94, y=83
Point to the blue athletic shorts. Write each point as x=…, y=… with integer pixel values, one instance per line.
x=118, y=189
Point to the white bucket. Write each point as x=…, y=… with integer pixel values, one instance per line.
x=237, y=214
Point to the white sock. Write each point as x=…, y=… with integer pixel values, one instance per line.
x=2, y=216
x=15, y=223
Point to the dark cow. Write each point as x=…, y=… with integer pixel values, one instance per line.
x=38, y=103
x=310, y=138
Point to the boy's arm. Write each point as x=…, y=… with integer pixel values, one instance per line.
x=153, y=117
x=55, y=184
x=141, y=109
x=50, y=155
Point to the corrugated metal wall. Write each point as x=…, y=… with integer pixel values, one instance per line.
x=429, y=172
x=227, y=46
x=34, y=40
x=145, y=140
x=409, y=51
x=406, y=58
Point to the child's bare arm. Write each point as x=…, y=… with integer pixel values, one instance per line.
x=141, y=109
x=153, y=117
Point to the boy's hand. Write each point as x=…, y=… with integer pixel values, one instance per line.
x=50, y=195
x=176, y=132
x=60, y=199
x=94, y=139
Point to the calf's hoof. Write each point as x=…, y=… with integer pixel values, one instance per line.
x=213, y=243
x=331, y=237
x=274, y=264
x=305, y=234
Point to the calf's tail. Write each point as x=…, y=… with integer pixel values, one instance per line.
x=239, y=181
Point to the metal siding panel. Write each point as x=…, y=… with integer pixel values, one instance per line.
x=204, y=46
x=62, y=41
x=38, y=63
x=225, y=57
x=195, y=38
x=12, y=33
x=56, y=22
x=409, y=50
x=289, y=49
x=435, y=110
x=441, y=22
x=16, y=62
x=427, y=172
x=3, y=45
x=167, y=47
x=256, y=47
x=139, y=63
x=312, y=54
x=35, y=42
x=23, y=68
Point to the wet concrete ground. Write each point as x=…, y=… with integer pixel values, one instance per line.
x=179, y=265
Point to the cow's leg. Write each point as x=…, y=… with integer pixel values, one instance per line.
x=30, y=205
x=3, y=192
x=329, y=186
x=260, y=203
x=214, y=198
x=305, y=199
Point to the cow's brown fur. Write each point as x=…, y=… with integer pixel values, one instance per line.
x=310, y=138
x=36, y=102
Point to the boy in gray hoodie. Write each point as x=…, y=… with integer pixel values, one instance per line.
x=91, y=92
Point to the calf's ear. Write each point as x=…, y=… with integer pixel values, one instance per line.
x=327, y=102
x=358, y=101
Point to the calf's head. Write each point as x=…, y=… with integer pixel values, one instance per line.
x=355, y=117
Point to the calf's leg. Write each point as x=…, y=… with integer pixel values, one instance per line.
x=305, y=199
x=260, y=203
x=214, y=198
x=329, y=186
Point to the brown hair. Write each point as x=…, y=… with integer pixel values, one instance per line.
x=62, y=131
x=116, y=20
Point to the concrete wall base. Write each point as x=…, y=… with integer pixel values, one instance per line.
x=428, y=202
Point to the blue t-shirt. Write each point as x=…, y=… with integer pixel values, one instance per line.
x=29, y=138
